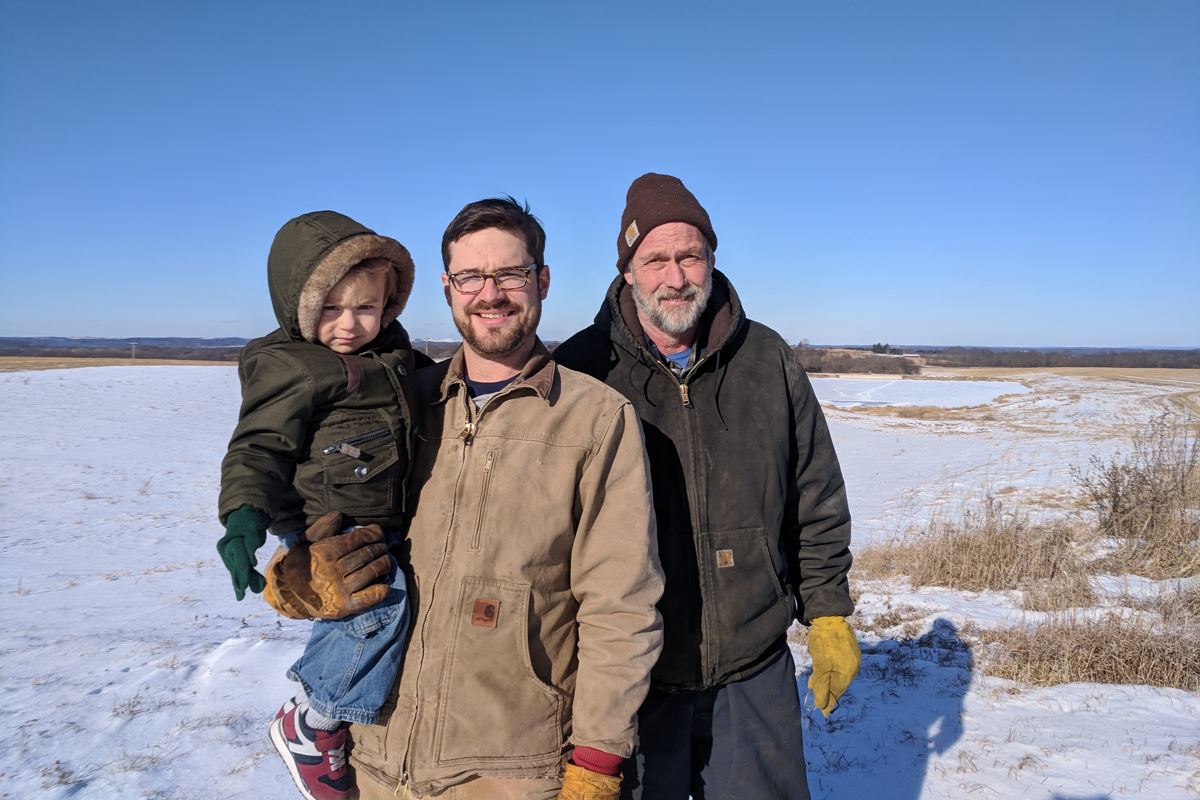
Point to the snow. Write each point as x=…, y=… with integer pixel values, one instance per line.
x=129, y=671
x=865, y=392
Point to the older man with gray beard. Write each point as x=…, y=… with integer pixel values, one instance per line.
x=753, y=523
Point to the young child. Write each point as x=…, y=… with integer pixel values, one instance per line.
x=325, y=425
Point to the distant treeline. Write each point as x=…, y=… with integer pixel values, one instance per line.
x=1124, y=359
x=816, y=359
x=142, y=351
x=436, y=350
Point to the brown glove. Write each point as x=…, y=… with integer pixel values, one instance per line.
x=583, y=784
x=327, y=575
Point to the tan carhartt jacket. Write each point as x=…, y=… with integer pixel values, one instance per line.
x=534, y=578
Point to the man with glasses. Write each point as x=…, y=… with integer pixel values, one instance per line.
x=753, y=524
x=532, y=552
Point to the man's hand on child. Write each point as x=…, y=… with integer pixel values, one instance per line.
x=327, y=575
x=245, y=532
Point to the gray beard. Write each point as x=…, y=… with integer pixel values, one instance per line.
x=498, y=344
x=680, y=321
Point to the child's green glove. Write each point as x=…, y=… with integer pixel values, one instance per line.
x=245, y=532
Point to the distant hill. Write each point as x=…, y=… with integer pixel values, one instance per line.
x=169, y=347
x=16, y=342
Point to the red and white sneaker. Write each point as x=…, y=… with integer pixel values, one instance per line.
x=316, y=759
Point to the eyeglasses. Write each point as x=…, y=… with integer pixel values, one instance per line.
x=509, y=278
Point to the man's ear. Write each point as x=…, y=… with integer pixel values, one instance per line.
x=543, y=278
x=628, y=273
x=446, y=287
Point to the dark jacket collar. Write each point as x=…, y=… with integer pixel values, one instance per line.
x=720, y=322
x=537, y=374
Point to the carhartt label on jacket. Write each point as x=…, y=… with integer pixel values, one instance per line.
x=631, y=234
x=485, y=613
x=724, y=558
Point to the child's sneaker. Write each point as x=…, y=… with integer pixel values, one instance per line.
x=316, y=759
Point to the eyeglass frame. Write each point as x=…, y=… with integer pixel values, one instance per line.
x=454, y=278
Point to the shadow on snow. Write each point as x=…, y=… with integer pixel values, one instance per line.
x=905, y=705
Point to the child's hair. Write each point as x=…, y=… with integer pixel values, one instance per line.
x=371, y=267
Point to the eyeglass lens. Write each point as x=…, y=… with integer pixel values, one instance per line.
x=505, y=279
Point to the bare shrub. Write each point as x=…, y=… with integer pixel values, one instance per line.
x=1179, y=607
x=1068, y=649
x=982, y=546
x=1149, y=500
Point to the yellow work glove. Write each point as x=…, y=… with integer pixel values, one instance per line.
x=836, y=659
x=583, y=784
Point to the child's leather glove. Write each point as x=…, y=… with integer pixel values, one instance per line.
x=583, y=784
x=245, y=532
x=836, y=659
x=329, y=574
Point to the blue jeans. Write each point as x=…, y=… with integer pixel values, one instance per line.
x=350, y=664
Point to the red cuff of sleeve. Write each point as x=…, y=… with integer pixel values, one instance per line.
x=597, y=760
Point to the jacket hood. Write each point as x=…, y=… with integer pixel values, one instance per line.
x=719, y=323
x=311, y=253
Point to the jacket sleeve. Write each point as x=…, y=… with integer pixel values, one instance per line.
x=617, y=580
x=816, y=520
x=277, y=403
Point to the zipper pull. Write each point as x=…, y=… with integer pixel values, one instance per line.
x=468, y=429
x=683, y=392
x=488, y=465
x=343, y=448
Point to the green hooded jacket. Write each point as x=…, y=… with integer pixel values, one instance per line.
x=319, y=431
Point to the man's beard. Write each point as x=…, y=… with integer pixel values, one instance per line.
x=498, y=343
x=673, y=321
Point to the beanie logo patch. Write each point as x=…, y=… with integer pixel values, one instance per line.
x=631, y=234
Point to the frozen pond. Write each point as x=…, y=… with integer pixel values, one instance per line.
x=895, y=392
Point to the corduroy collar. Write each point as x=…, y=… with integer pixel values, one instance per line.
x=537, y=374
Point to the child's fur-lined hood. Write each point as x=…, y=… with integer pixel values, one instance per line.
x=311, y=253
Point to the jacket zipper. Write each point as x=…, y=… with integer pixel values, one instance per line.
x=705, y=655
x=487, y=479
x=683, y=387
x=465, y=436
x=354, y=441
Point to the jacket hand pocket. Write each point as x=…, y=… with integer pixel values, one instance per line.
x=361, y=473
x=751, y=603
x=493, y=706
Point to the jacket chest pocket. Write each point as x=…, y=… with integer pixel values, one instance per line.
x=361, y=474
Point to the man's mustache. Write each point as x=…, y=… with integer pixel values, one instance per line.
x=678, y=294
x=484, y=305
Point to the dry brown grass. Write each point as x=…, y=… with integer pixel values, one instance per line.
x=986, y=547
x=1068, y=649
x=1149, y=500
x=916, y=412
x=25, y=363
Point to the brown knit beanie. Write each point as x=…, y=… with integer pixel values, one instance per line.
x=654, y=200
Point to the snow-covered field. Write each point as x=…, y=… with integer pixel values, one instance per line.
x=867, y=392
x=129, y=671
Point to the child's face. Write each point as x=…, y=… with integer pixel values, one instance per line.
x=350, y=317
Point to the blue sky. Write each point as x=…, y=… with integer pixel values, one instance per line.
x=991, y=173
